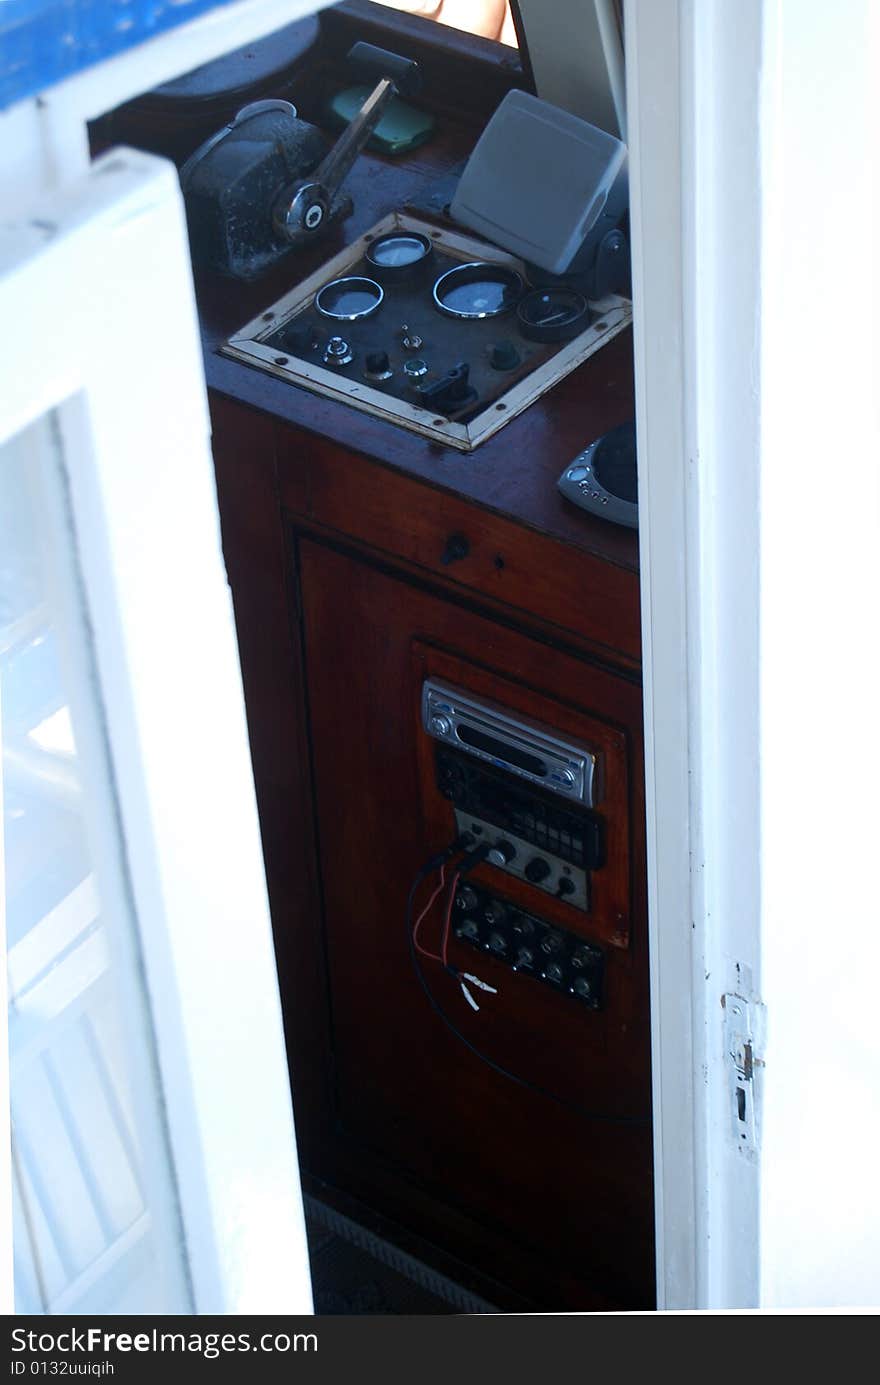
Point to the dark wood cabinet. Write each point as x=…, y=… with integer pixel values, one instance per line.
x=524, y=1153
x=510, y=1146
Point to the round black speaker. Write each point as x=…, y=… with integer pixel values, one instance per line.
x=604, y=478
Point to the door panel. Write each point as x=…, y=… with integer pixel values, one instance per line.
x=554, y=1151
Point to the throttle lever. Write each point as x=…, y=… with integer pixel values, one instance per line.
x=303, y=206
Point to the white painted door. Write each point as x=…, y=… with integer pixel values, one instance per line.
x=151, y=1162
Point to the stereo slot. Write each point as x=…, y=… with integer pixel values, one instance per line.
x=501, y=750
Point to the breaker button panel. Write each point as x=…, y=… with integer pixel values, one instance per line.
x=528, y=945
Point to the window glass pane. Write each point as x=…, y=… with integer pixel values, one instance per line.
x=490, y=18
x=95, y=1225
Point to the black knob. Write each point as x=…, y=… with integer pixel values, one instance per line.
x=504, y=356
x=522, y=926
x=566, y=886
x=537, y=870
x=554, y=973
x=525, y=957
x=494, y=911
x=300, y=338
x=583, y=957
x=497, y=942
x=582, y=988
x=551, y=942
x=452, y=392
x=465, y=898
x=377, y=363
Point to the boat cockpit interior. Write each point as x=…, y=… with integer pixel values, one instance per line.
x=412, y=273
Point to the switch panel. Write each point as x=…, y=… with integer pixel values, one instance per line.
x=519, y=857
x=529, y=945
x=572, y=833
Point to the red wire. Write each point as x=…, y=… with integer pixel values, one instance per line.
x=432, y=956
x=444, y=942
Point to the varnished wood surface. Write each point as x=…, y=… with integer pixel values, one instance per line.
x=567, y=589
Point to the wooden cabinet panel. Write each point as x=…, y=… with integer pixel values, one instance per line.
x=551, y=1156
x=420, y=524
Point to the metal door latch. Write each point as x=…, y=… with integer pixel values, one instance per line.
x=743, y=1030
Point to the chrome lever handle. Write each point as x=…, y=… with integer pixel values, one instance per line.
x=302, y=208
x=335, y=168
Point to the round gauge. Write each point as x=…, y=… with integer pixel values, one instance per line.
x=477, y=290
x=396, y=255
x=347, y=300
x=553, y=314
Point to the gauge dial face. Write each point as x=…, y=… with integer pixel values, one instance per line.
x=477, y=290
x=401, y=250
x=347, y=300
x=553, y=314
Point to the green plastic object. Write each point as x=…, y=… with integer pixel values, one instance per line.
x=401, y=127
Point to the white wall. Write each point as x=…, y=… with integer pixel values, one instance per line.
x=820, y=630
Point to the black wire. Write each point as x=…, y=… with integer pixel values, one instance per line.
x=424, y=872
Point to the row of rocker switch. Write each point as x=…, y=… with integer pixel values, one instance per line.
x=529, y=945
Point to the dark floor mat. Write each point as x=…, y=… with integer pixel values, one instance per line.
x=355, y=1272
x=348, y=1280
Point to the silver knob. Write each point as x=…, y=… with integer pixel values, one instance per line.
x=440, y=726
x=338, y=352
x=415, y=369
x=501, y=854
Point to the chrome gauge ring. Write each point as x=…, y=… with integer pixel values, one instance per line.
x=349, y=299
x=477, y=290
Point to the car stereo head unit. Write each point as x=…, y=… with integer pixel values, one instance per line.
x=525, y=749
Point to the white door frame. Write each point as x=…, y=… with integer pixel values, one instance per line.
x=752, y=130
x=694, y=111
x=101, y=329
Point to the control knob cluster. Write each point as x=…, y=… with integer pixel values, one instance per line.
x=531, y=946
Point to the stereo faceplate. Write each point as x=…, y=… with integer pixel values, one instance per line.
x=531, y=752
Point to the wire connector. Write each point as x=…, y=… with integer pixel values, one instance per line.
x=473, y=858
x=461, y=843
x=475, y=981
x=463, y=977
